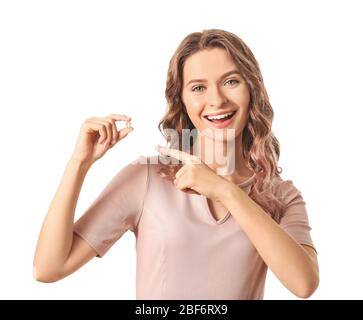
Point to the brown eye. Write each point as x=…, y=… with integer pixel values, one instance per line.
x=236, y=81
x=194, y=89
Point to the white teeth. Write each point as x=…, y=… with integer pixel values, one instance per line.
x=221, y=116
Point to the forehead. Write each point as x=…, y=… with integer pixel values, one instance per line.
x=207, y=63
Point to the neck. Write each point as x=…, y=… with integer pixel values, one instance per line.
x=223, y=156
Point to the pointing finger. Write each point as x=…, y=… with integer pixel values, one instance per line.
x=177, y=154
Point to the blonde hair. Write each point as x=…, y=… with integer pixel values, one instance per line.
x=260, y=147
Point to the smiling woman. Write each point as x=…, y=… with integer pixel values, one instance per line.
x=200, y=234
x=212, y=75
x=214, y=82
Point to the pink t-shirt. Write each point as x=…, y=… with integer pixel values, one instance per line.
x=182, y=251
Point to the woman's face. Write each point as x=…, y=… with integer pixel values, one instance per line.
x=212, y=85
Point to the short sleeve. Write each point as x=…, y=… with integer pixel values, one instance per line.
x=117, y=208
x=295, y=219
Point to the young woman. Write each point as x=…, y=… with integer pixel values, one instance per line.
x=200, y=235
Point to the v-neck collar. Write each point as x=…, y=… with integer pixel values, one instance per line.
x=243, y=184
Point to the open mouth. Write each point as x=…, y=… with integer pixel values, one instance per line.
x=220, y=119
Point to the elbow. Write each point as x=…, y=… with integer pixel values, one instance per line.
x=307, y=289
x=45, y=276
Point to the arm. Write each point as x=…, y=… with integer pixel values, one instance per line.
x=294, y=265
x=59, y=252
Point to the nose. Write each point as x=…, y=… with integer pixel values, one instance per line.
x=215, y=97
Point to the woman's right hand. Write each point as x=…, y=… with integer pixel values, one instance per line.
x=97, y=136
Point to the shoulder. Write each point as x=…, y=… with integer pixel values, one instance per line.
x=134, y=172
x=135, y=166
x=285, y=190
x=145, y=166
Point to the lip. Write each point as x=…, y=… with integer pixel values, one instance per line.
x=225, y=123
x=218, y=113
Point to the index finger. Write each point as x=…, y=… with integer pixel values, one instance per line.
x=177, y=154
x=119, y=117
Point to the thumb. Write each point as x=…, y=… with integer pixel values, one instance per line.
x=124, y=132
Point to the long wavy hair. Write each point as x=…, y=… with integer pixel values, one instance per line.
x=261, y=149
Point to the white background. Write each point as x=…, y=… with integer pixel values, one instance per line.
x=64, y=61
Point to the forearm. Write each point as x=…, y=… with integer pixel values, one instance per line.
x=56, y=235
x=283, y=255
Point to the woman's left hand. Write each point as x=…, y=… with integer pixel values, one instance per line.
x=195, y=176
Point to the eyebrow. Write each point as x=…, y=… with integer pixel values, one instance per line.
x=234, y=71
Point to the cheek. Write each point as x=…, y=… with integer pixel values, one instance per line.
x=240, y=97
x=195, y=101
x=194, y=106
x=242, y=100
